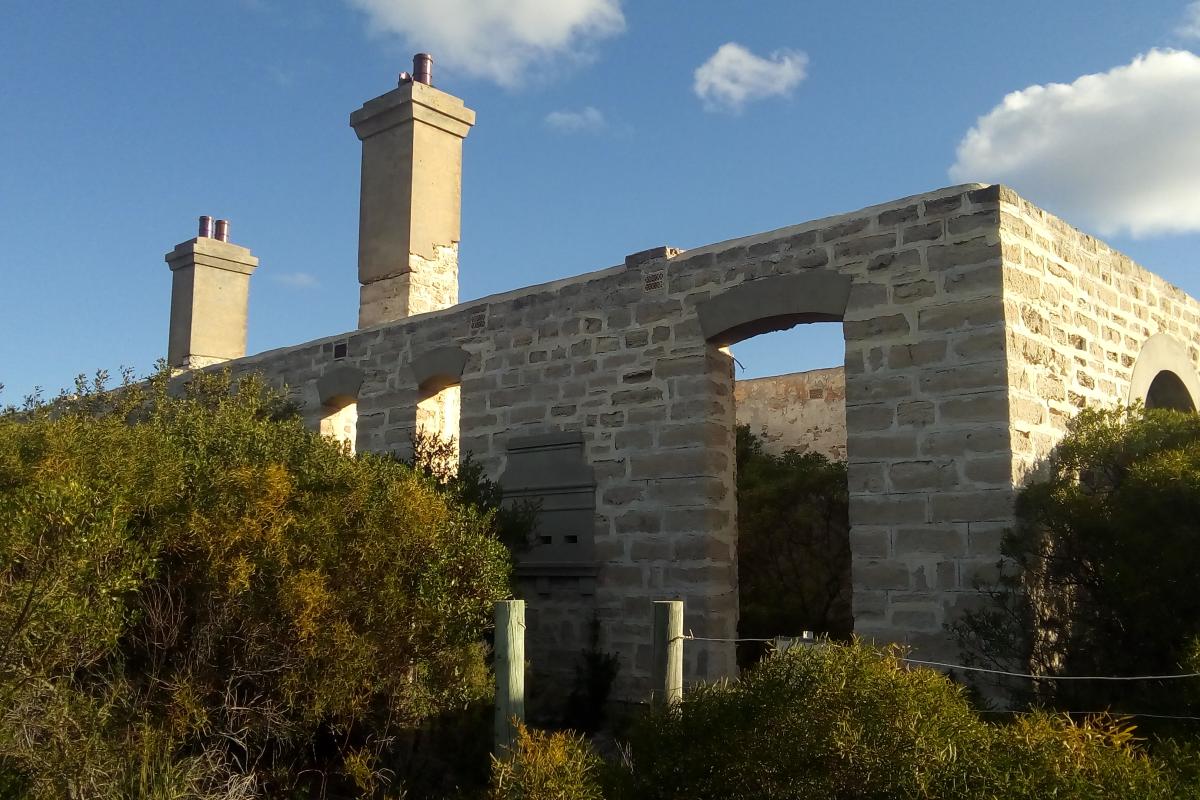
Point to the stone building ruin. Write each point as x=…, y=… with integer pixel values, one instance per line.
x=976, y=324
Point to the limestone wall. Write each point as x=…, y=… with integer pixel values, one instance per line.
x=621, y=356
x=803, y=411
x=1078, y=314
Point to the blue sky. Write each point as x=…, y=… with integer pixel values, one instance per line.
x=596, y=137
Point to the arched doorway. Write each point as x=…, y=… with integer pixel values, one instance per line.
x=792, y=523
x=1164, y=376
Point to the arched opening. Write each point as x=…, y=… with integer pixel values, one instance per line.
x=337, y=391
x=340, y=421
x=1167, y=390
x=1164, y=375
x=783, y=340
x=438, y=375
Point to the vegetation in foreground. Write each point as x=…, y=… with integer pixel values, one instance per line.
x=200, y=598
x=793, y=543
x=1100, y=571
x=847, y=721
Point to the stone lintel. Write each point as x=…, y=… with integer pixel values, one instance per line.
x=774, y=303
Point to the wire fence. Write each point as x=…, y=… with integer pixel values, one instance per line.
x=809, y=640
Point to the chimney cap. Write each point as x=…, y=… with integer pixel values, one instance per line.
x=206, y=227
x=423, y=69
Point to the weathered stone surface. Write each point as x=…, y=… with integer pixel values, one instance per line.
x=977, y=325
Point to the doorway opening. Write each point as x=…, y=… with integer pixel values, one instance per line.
x=792, y=489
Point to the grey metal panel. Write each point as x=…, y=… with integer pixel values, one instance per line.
x=552, y=470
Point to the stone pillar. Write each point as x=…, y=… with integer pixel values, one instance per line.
x=409, y=201
x=210, y=293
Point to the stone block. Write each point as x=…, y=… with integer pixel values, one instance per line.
x=978, y=505
x=961, y=315
x=967, y=378
x=914, y=414
x=980, y=250
x=678, y=463
x=870, y=388
x=986, y=407
x=879, y=575
x=650, y=549
x=870, y=447
x=897, y=216
x=924, y=232
x=993, y=439
x=942, y=540
x=913, y=291
x=842, y=229
x=701, y=547
x=977, y=221
x=869, y=542
x=995, y=470
x=864, y=245
x=894, y=261
x=884, y=326
x=887, y=510
x=866, y=477
x=687, y=520
x=919, y=354
x=923, y=475
x=873, y=417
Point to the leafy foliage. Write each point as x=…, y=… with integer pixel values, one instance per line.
x=546, y=766
x=202, y=598
x=846, y=721
x=1102, y=564
x=464, y=480
x=595, y=672
x=793, y=542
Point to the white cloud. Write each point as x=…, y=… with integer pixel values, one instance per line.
x=585, y=120
x=1117, y=151
x=1189, y=28
x=733, y=76
x=501, y=40
x=296, y=280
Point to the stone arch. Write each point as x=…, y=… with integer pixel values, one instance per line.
x=341, y=382
x=337, y=391
x=774, y=304
x=438, y=368
x=1163, y=376
x=438, y=376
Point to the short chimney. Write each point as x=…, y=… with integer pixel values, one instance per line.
x=410, y=198
x=210, y=293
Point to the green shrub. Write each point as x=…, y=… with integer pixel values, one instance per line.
x=198, y=593
x=847, y=721
x=793, y=543
x=1103, y=563
x=546, y=766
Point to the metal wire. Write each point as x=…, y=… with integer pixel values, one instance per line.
x=984, y=670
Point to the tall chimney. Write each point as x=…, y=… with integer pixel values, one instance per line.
x=210, y=293
x=410, y=198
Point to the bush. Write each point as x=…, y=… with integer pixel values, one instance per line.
x=546, y=766
x=1102, y=566
x=846, y=721
x=202, y=598
x=793, y=542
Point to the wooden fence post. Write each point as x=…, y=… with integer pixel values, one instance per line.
x=510, y=670
x=667, y=661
